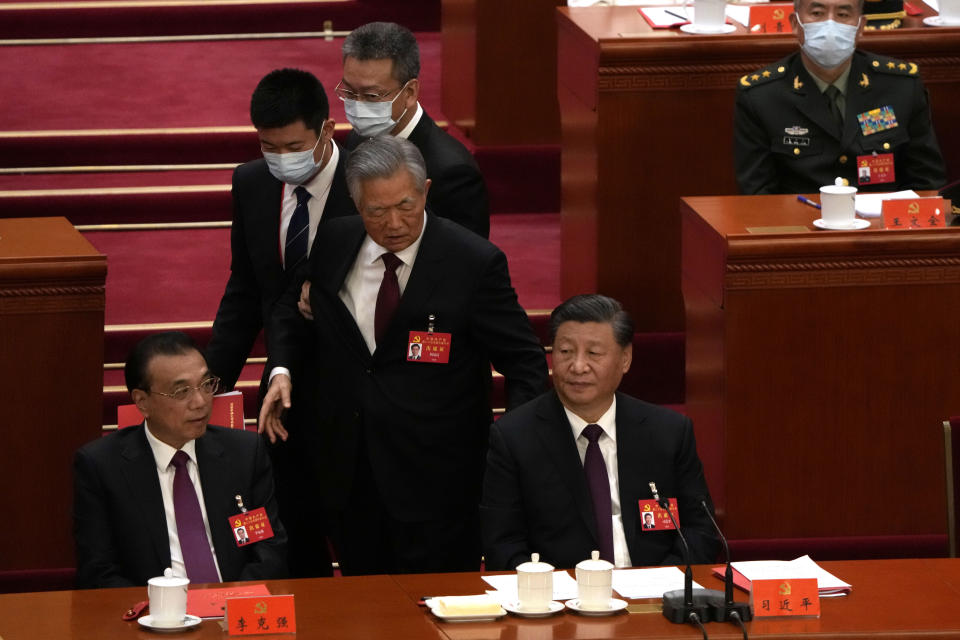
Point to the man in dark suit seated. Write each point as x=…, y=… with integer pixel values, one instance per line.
x=569, y=472
x=164, y=493
x=403, y=440
x=280, y=203
x=380, y=90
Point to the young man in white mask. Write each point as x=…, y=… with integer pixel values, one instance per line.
x=829, y=109
x=280, y=202
x=380, y=90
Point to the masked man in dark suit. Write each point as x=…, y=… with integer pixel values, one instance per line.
x=828, y=110
x=403, y=441
x=280, y=203
x=380, y=90
x=569, y=472
x=163, y=494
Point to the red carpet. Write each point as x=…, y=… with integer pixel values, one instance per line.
x=179, y=276
x=183, y=84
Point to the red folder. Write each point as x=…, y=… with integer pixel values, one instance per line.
x=227, y=412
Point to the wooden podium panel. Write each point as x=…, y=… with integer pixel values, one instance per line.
x=500, y=70
x=647, y=117
x=51, y=377
x=820, y=366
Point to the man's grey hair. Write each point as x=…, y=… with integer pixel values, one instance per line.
x=382, y=157
x=382, y=40
x=593, y=307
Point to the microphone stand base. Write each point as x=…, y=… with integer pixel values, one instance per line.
x=676, y=610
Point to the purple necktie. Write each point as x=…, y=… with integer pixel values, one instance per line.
x=388, y=297
x=599, y=485
x=194, y=545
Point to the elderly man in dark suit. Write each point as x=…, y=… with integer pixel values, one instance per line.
x=403, y=441
x=566, y=472
x=280, y=203
x=380, y=91
x=163, y=494
x=828, y=109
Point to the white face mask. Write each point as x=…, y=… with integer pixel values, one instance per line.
x=829, y=43
x=371, y=119
x=295, y=167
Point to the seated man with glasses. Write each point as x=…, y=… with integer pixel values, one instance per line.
x=380, y=90
x=167, y=493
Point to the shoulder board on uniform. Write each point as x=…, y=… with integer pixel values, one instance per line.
x=882, y=64
x=762, y=76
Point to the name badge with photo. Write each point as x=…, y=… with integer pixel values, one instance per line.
x=429, y=347
x=250, y=526
x=875, y=168
x=653, y=517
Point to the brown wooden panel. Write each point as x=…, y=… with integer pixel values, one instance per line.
x=51, y=367
x=826, y=364
x=662, y=115
x=499, y=70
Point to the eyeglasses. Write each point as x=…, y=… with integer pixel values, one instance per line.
x=208, y=387
x=348, y=94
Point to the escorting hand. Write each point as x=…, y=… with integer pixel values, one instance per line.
x=303, y=304
x=275, y=403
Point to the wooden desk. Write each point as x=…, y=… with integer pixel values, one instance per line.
x=819, y=359
x=647, y=117
x=51, y=381
x=891, y=598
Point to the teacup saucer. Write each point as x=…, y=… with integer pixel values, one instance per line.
x=514, y=608
x=188, y=622
x=701, y=29
x=614, y=606
x=857, y=223
x=937, y=21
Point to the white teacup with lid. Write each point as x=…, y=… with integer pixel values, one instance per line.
x=535, y=585
x=595, y=583
x=838, y=204
x=168, y=599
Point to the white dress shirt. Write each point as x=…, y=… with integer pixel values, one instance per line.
x=608, y=449
x=162, y=455
x=414, y=121
x=319, y=189
x=362, y=284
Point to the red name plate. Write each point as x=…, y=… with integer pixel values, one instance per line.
x=785, y=598
x=658, y=516
x=917, y=213
x=258, y=616
x=771, y=18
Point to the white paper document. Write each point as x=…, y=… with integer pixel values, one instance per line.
x=870, y=205
x=802, y=567
x=648, y=583
x=564, y=587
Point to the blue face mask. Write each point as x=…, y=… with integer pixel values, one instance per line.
x=829, y=43
x=371, y=119
x=295, y=167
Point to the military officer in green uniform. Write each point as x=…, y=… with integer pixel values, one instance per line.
x=830, y=111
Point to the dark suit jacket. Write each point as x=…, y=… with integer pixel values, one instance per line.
x=120, y=529
x=424, y=426
x=536, y=499
x=786, y=140
x=257, y=278
x=458, y=191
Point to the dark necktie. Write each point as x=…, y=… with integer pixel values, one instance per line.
x=388, y=297
x=832, y=93
x=298, y=231
x=599, y=485
x=194, y=544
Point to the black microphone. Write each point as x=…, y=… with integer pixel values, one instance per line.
x=729, y=611
x=688, y=604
